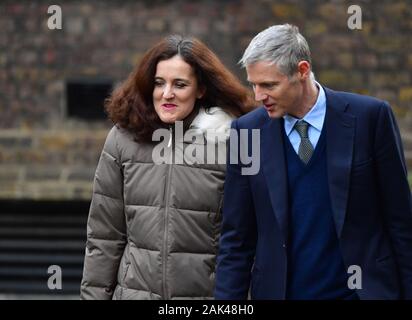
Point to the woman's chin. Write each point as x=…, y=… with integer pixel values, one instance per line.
x=168, y=119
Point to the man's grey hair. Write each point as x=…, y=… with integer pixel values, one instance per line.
x=282, y=45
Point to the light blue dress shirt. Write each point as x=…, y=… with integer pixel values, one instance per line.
x=315, y=117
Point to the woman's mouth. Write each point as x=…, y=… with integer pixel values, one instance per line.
x=169, y=106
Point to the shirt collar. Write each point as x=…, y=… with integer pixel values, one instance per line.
x=315, y=117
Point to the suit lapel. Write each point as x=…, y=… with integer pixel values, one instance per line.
x=274, y=169
x=340, y=133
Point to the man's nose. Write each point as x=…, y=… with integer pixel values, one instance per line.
x=260, y=95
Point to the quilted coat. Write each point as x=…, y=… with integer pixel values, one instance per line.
x=154, y=221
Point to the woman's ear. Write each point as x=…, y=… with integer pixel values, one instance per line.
x=201, y=92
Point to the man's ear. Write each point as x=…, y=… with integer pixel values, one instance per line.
x=303, y=70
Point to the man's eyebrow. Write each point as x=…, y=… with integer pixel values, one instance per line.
x=264, y=83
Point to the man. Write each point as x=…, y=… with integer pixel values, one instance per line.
x=329, y=214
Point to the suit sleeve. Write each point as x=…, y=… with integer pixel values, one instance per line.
x=395, y=192
x=238, y=237
x=106, y=230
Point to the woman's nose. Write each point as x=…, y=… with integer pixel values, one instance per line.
x=168, y=93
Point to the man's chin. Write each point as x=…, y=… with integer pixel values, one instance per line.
x=274, y=114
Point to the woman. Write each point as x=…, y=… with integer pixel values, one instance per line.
x=154, y=219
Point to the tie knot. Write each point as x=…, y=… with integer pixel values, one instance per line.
x=302, y=128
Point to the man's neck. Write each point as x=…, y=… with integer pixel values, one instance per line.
x=310, y=95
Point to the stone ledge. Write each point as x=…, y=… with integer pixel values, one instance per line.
x=46, y=190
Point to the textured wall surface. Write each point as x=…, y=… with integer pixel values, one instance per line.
x=44, y=154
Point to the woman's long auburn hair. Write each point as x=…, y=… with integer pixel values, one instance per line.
x=131, y=104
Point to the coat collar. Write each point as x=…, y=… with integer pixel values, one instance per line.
x=213, y=123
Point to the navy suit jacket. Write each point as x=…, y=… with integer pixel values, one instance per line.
x=369, y=192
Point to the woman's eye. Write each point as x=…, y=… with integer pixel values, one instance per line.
x=180, y=85
x=158, y=83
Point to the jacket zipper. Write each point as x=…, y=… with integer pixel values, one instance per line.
x=166, y=218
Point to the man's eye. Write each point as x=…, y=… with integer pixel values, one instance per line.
x=269, y=86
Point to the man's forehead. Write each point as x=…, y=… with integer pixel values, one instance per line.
x=261, y=66
x=264, y=75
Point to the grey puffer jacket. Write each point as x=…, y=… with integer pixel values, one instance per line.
x=153, y=229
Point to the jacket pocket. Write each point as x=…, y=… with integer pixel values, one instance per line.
x=255, y=282
x=215, y=226
x=359, y=166
x=216, y=216
x=219, y=209
x=362, y=173
x=126, y=268
x=384, y=260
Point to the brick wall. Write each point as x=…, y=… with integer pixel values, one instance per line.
x=44, y=154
